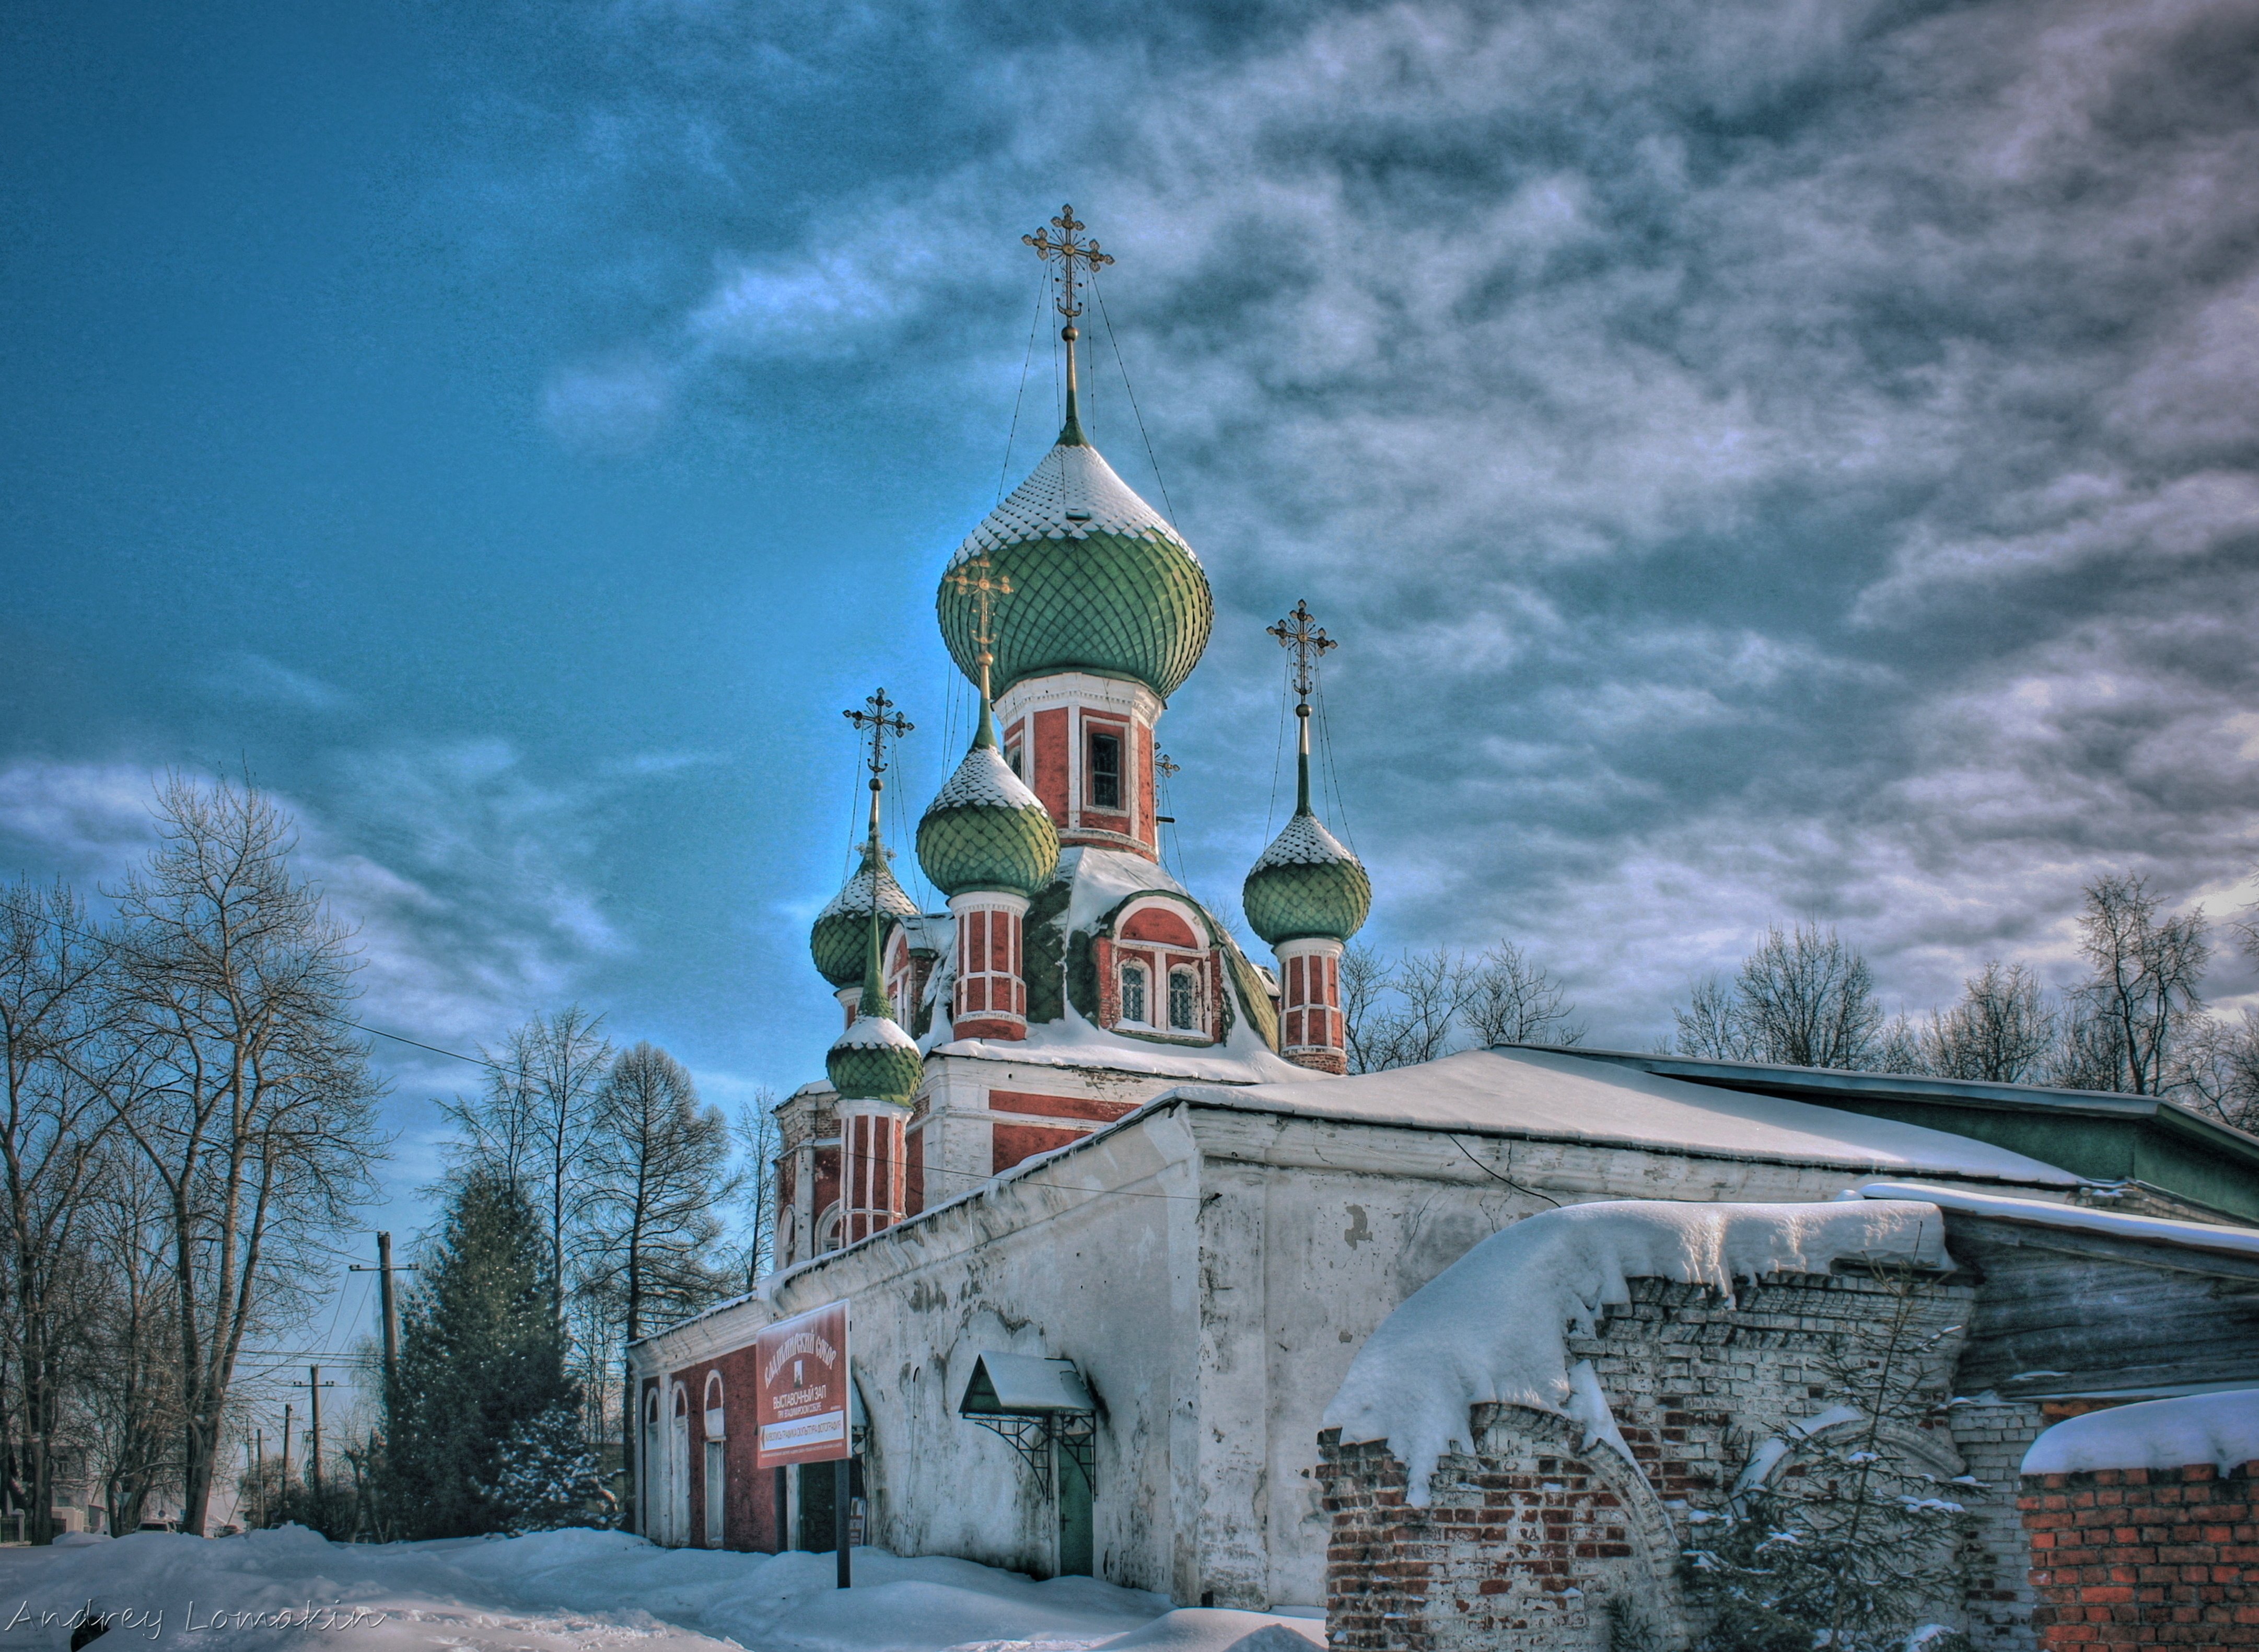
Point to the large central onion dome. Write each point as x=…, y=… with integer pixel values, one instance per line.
x=1101, y=582
x=838, y=940
x=985, y=830
x=1305, y=884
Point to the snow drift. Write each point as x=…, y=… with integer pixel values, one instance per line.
x=2221, y=1429
x=1493, y=1326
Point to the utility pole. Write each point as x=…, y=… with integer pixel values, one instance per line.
x=313, y=1385
x=286, y=1450
x=258, y=1475
x=389, y=1307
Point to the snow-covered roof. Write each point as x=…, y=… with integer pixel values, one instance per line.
x=1023, y=1384
x=983, y=780
x=2221, y=1429
x=2109, y=1224
x=1560, y=1098
x=873, y=1032
x=1493, y=1326
x=1072, y=493
x=1304, y=843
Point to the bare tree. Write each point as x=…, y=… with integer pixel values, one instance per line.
x=660, y=1162
x=1364, y=981
x=132, y=1384
x=247, y=1096
x=2142, y=992
x=1513, y=999
x=1708, y=1026
x=535, y=1128
x=2216, y=1068
x=1413, y=1018
x=1804, y=999
x=54, y=978
x=758, y=1142
x=2001, y=1031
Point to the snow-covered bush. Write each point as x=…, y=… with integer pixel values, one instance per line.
x=545, y=1476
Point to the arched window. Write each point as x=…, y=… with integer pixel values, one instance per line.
x=713, y=1402
x=1133, y=992
x=1183, y=1000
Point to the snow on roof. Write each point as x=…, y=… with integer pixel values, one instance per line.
x=1560, y=1098
x=2200, y=1236
x=2221, y=1429
x=983, y=780
x=1304, y=843
x=1072, y=493
x=1104, y=879
x=1023, y=1384
x=1492, y=1328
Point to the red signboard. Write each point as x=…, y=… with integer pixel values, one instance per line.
x=801, y=1405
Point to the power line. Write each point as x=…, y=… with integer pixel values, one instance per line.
x=1132, y=394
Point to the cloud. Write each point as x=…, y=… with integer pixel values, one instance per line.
x=1764, y=460
x=259, y=680
x=611, y=406
x=469, y=883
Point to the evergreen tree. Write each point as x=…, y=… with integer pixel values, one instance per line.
x=482, y=1360
x=546, y=1476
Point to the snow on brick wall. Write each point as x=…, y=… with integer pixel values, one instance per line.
x=1536, y=1538
x=2134, y=1557
x=1490, y=1327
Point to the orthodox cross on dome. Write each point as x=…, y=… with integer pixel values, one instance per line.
x=1074, y=254
x=1071, y=250
x=976, y=578
x=880, y=719
x=1309, y=642
x=1167, y=767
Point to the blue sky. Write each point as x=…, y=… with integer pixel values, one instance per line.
x=1764, y=461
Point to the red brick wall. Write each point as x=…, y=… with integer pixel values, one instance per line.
x=1049, y=761
x=1058, y=1106
x=2144, y=1557
x=1009, y=1143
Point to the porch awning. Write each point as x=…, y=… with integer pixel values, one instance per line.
x=1024, y=1385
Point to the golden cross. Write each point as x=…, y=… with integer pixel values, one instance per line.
x=879, y=716
x=1308, y=641
x=1164, y=765
x=984, y=591
x=1070, y=250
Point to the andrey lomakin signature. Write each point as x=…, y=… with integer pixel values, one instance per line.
x=311, y=1615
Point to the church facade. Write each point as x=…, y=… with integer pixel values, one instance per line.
x=1069, y=1120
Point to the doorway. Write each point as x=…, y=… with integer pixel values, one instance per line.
x=1075, y=1545
x=819, y=1507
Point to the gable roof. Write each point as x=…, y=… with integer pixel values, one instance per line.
x=1553, y=1096
x=2101, y=1135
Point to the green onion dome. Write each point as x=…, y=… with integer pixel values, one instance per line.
x=1100, y=581
x=1305, y=884
x=875, y=1059
x=843, y=928
x=985, y=829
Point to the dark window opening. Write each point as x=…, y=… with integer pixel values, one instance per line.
x=1012, y=756
x=1105, y=771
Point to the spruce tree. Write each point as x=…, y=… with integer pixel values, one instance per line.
x=482, y=1364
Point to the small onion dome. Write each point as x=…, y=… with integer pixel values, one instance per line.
x=875, y=1059
x=985, y=829
x=1305, y=885
x=843, y=928
x=1100, y=580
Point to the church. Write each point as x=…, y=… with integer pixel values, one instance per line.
x=1112, y=1216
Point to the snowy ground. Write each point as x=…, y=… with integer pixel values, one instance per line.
x=578, y=1591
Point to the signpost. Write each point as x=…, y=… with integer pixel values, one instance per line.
x=802, y=1405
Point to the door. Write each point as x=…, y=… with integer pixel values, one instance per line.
x=678, y=1469
x=1074, y=1521
x=650, y=1503
x=715, y=1505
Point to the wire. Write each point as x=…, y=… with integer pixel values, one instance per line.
x=1123, y=367
x=1037, y=321
x=1494, y=1176
x=1333, y=773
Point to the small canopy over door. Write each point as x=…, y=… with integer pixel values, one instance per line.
x=1044, y=1408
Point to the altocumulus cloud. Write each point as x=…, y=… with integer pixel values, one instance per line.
x=1770, y=460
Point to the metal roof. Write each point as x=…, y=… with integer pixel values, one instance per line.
x=1024, y=1385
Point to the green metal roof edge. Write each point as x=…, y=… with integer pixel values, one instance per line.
x=1915, y=1087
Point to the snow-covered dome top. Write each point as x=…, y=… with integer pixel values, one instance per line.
x=985, y=830
x=836, y=942
x=1100, y=581
x=1306, y=884
x=875, y=1059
